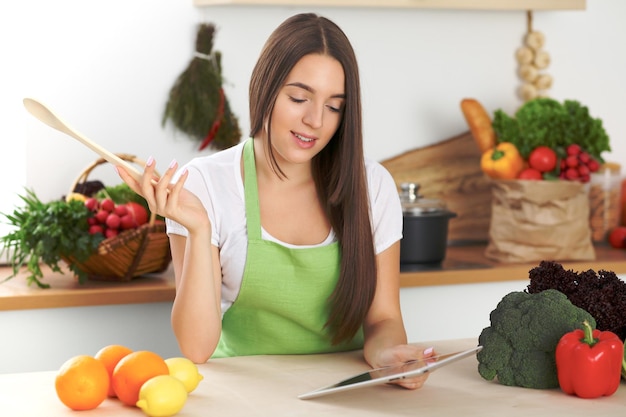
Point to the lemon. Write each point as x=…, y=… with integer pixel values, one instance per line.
x=75, y=196
x=162, y=396
x=186, y=371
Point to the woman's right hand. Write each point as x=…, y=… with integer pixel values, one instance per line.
x=168, y=199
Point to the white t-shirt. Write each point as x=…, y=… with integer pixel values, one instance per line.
x=216, y=180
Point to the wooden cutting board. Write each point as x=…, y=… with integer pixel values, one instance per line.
x=450, y=170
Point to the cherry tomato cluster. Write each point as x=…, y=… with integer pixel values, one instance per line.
x=110, y=218
x=571, y=164
x=578, y=165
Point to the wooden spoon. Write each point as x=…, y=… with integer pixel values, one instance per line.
x=48, y=117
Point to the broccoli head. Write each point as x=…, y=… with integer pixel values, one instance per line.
x=519, y=346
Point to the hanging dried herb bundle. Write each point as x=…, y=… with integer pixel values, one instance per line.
x=197, y=104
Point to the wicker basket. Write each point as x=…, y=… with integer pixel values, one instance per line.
x=132, y=252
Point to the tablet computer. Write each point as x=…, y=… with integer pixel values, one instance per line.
x=390, y=373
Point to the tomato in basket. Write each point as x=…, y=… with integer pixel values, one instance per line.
x=136, y=216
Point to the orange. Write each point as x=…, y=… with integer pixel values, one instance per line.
x=82, y=383
x=110, y=355
x=133, y=370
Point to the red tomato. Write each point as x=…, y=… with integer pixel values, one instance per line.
x=96, y=228
x=113, y=221
x=138, y=213
x=543, y=159
x=593, y=165
x=107, y=205
x=92, y=204
x=101, y=216
x=111, y=233
x=572, y=161
x=573, y=149
x=120, y=210
x=127, y=222
x=571, y=174
x=617, y=237
x=623, y=198
x=530, y=174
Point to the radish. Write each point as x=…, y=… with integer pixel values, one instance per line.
x=138, y=213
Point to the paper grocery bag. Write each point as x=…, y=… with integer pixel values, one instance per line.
x=539, y=220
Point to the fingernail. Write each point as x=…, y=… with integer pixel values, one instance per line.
x=173, y=163
x=429, y=351
x=150, y=161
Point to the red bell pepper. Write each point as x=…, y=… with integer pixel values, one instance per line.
x=589, y=362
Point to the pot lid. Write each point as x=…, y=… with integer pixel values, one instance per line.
x=414, y=204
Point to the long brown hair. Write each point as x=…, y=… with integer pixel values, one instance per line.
x=338, y=170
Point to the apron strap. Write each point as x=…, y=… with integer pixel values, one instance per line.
x=251, y=192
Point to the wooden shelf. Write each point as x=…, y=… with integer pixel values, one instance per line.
x=66, y=291
x=463, y=265
x=417, y=4
x=468, y=265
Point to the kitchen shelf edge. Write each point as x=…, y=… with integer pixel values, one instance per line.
x=474, y=268
x=469, y=266
x=417, y=4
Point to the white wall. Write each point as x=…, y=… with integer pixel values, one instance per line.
x=107, y=67
x=42, y=340
x=35, y=340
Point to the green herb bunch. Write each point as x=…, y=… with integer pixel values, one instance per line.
x=47, y=233
x=547, y=122
x=121, y=194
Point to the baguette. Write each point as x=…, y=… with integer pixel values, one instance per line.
x=479, y=123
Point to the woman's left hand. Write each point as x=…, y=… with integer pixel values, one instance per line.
x=397, y=355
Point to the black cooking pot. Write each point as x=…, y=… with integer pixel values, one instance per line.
x=425, y=227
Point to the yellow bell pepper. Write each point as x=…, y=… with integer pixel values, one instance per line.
x=502, y=162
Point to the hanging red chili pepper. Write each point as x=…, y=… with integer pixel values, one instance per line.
x=216, y=124
x=589, y=362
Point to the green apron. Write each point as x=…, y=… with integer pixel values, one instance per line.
x=282, y=304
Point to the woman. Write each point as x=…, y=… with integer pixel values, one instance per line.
x=288, y=243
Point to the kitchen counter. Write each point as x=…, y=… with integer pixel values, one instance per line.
x=269, y=385
x=463, y=265
x=467, y=264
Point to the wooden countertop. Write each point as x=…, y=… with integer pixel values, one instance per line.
x=269, y=385
x=463, y=265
